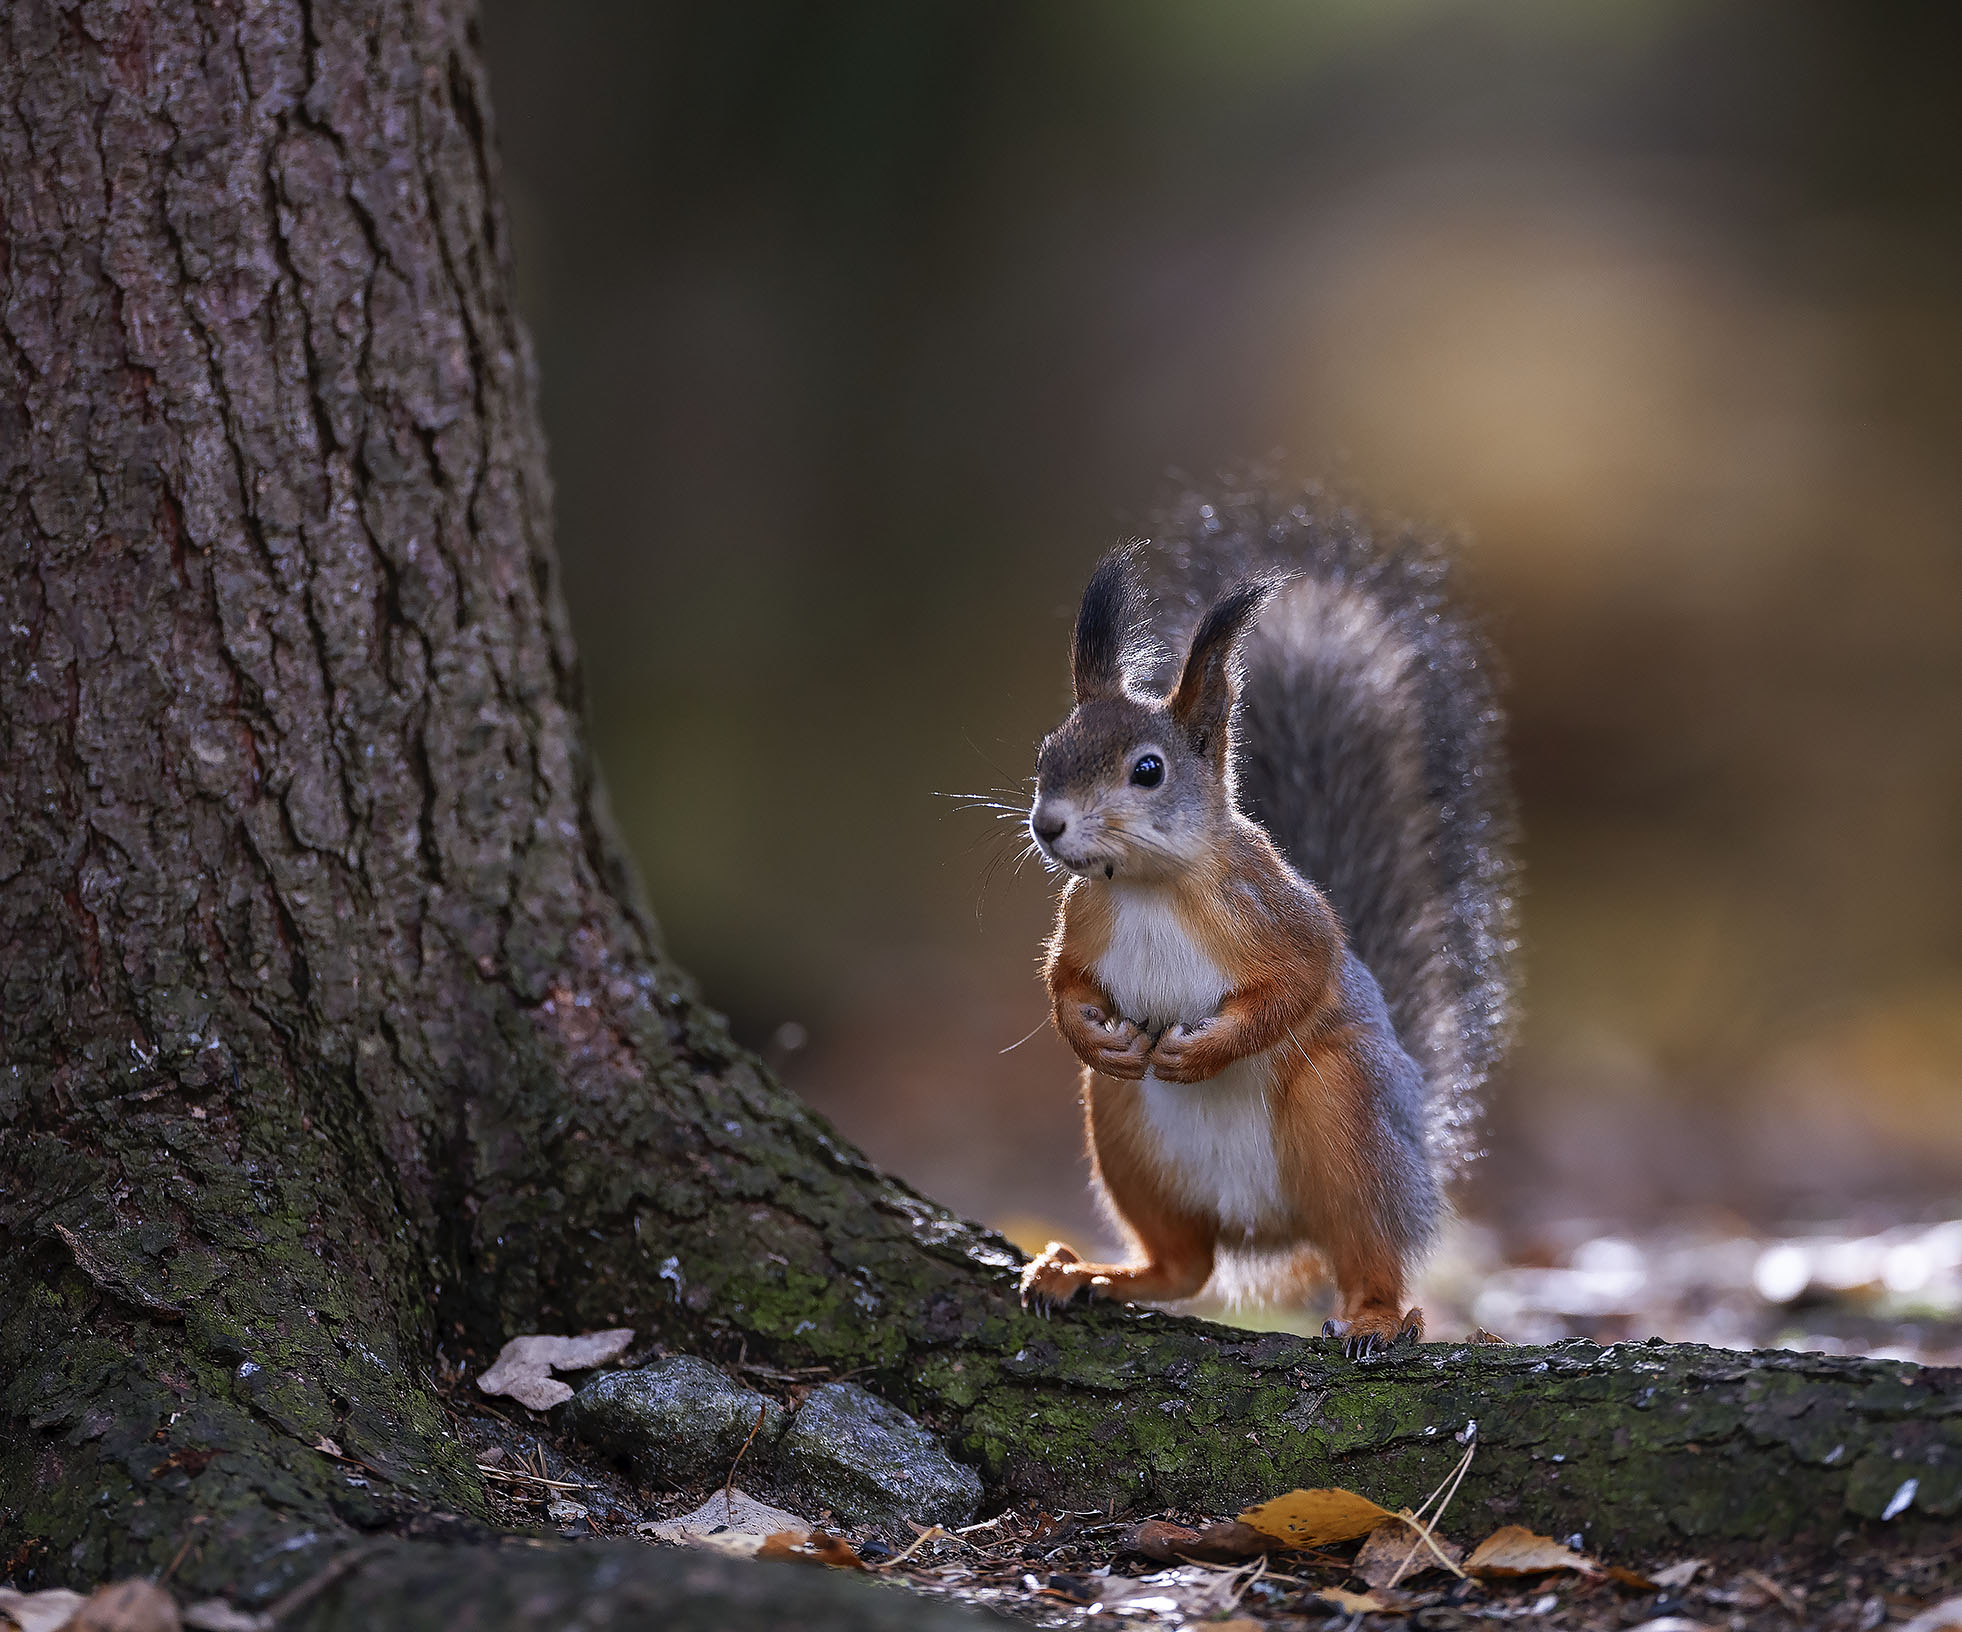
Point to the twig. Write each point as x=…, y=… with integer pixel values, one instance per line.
x=729, y=1484
x=190, y=1540
x=307, y=1591
x=1782, y=1594
x=1240, y=1588
x=1427, y=1532
x=527, y=1477
x=932, y=1532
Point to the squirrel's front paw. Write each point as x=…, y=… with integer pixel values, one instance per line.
x=1117, y=1048
x=1184, y=1054
x=1053, y=1276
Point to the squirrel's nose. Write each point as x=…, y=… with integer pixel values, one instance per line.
x=1048, y=826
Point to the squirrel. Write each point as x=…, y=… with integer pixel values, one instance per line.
x=1282, y=949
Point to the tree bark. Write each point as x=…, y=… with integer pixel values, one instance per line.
x=335, y=1036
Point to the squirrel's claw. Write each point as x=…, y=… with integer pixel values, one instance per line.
x=1372, y=1340
x=1179, y=1054
x=1047, y=1283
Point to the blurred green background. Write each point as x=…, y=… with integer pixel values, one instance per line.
x=863, y=328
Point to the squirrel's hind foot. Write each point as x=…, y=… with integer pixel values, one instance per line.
x=1054, y=1276
x=1376, y=1331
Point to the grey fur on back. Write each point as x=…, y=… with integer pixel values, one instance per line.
x=1369, y=745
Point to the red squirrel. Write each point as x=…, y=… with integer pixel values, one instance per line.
x=1259, y=1082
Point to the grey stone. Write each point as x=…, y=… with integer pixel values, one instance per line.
x=870, y=1463
x=678, y=1421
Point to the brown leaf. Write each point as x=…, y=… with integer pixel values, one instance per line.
x=1225, y=1543
x=1159, y=1539
x=812, y=1547
x=1630, y=1578
x=1314, y=1518
x=1680, y=1574
x=1395, y=1552
x=1515, y=1550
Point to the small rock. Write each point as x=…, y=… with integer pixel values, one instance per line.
x=678, y=1420
x=870, y=1463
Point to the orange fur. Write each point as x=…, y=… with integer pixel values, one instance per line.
x=1278, y=944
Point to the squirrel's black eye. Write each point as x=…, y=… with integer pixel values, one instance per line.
x=1148, y=772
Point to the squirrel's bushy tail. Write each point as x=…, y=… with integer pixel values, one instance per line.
x=1370, y=748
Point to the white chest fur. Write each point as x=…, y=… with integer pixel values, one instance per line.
x=1154, y=971
x=1216, y=1137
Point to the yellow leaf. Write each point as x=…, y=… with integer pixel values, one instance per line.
x=1315, y=1518
x=1515, y=1550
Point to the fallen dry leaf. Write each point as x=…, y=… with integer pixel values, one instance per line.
x=1942, y=1617
x=1515, y=1550
x=1395, y=1552
x=1356, y=1603
x=1677, y=1575
x=127, y=1606
x=1671, y=1623
x=1315, y=1518
x=39, y=1611
x=1225, y=1543
x=1160, y=1539
x=1630, y=1578
x=524, y=1366
x=812, y=1547
x=215, y=1615
x=728, y=1522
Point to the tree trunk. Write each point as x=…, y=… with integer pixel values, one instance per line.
x=334, y=1033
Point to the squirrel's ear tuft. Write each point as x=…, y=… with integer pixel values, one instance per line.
x=1203, y=699
x=1110, y=628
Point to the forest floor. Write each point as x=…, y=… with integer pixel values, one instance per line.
x=1896, y=1293
x=1070, y=1570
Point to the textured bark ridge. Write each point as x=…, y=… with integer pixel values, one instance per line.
x=332, y=1030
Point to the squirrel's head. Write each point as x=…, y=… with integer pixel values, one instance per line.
x=1134, y=785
